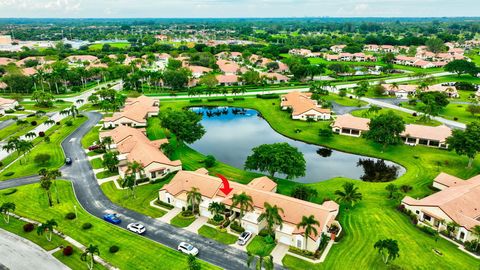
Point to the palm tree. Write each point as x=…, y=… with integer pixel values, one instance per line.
x=272, y=216
x=5, y=209
x=244, y=201
x=452, y=227
x=308, y=224
x=129, y=182
x=107, y=141
x=262, y=260
x=46, y=184
x=23, y=147
x=388, y=248
x=192, y=263
x=11, y=145
x=349, y=195
x=476, y=232
x=47, y=229
x=50, y=122
x=30, y=135
x=194, y=198
x=90, y=252
x=136, y=169
x=216, y=209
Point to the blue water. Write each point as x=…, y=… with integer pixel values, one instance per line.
x=231, y=136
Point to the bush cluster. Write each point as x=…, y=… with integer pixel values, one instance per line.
x=235, y=226
x=68, y=251
x=87, y=226
x=70, y=216
x=268, y=96
x=114, y=249
x=28, y=227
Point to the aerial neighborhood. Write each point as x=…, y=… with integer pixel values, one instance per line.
x=274, y=143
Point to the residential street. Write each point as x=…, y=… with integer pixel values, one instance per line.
x=95, y=202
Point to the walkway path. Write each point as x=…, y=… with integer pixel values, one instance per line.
x=18, y=253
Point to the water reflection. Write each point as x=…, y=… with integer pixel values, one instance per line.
x=233, y=132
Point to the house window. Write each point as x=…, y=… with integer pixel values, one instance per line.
x=153, y=174
x=462, y=236
x=168, y=200
x=427, y=217
x=418, y=212
x=299, y=243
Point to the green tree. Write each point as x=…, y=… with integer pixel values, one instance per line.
x=217, y=209
x=42, y=158
x=261, y=260
x=47, y=229
x=106, y=142
x=391, y=188
x=42, y=98
x=388, y=248
x=251, y=77
x=466, y=143
x=88, y=255
x=462, y=67
x=476, y=232
x=129, y=182
x=361, y=89
x=271, y=214
x=110, y=161
x=244, y=203
x=210, y=161
x=435, y=45
x=277, y=158
x=5, y=209
x=473, y=109
x=303, y=192
x=385, y=129
x=184, y=124
x=194, y=198
x=209, y=80
x=349, y=195
x=433, y=102
x=193, y=263
x=309, y=225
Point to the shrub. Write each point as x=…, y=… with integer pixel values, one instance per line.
x=187, y=213
x=325, y=133
x=235, y=226
x=28, y=227
x=68, y=251
x=210, y=161
x=406, y=188
x=87, y=225
x=263, y=233
x=114, y=249
x=217, y=99
x=472, y=246
x=9, y=174
x=428, y=230
x=225, y=224
x=195, y=100
x=69, y=123
x=238, y=98
x=302, y=252
x=47, y=139
x=269, y=239
x=9, y=111
x=70, y=216
x=58, y=123
x=41, y=134
x=218, y=218
x=1, y=164
x=164, y=204
x=33, y=123
x=42, y=158
x=9, y=191
x=268, y=96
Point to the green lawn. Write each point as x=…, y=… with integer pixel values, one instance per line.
x=407, y=118
x=57, y=106
x=96, y=163
x=26, y=166
x=258, y=245
x=106, y=174
x=136, y=252
x=375, y=216
x=91, y=137
x=181, y=222
x=217, y=235
x=73, y=260
x=144, y=194
x=119, y=45
x=19, y=130
x=456, y=112
x=344, y=101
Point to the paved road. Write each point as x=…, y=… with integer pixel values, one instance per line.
x=17, y=253
x=91, y=197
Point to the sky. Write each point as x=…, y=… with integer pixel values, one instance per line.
x=236, y=8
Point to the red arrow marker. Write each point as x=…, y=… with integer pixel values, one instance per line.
x=226, y=189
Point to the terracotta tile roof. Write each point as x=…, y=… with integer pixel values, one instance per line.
x=460, y=202
x=137, y=146
x=82, y=58
x=227, y=78
x=29, y=71
x=263, y=183
x=5, y=101
x=440, y=133
x=5, y=61
x=294, y=209
x=41, y=60
x=352, y=122
x=228, y=66
x=401, y=87
x=136, y=109
x=449, y=180
x=301, y=103
x=199, y=69
x=276, y=76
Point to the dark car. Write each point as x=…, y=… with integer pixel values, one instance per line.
x=112, y=218
x=94, y=147
x=68, y=161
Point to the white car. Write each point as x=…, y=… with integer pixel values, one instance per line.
x=136, y=228
x=244, y=237
x=187, y=249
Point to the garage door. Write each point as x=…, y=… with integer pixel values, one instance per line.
x=285, y=240
x=204, y=212
x=251, y=228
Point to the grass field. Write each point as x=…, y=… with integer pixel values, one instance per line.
x=258, y=245
x=456, y=112
x=344, y=101
x=91, y=137
x=375, y=217
x=217, y=235
x=119, y=45
x=96, y=163
x=181, y=222
x=144, y=194
x=407, y=118
x=106, y=174
x=15, y=130
x=26, y=166
x=136, y=252
x=57, y=106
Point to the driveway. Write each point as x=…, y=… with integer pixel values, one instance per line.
x=19, y=253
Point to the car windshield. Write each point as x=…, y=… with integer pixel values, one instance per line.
x=244, y=234
x=189, y=247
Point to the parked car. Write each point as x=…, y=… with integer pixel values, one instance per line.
x=68, y=161
x=136, y=228
x=112, y=218
x=94, y=147
x=187, y=249
x=244, y=237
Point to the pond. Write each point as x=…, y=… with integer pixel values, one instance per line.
x=233, y=132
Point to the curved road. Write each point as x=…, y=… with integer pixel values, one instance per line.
x=91, y=197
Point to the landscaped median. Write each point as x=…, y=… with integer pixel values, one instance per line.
x=32, y=202
x=183, y=219
x=220, y=235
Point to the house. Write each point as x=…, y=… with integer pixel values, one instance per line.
x=262, y=190
x=132, y=145
x=337, y=48
x=371, y=48
x=40, y=60
x=134, y=114
x=275, y=77
x=350, y=125
x=198, y=71
x=423, y=64
x=457, y=201
x=426, y=135
x=404, y=60
x=300, y=52
x=5, y=103
x=303, y=107
x=229, y=55
x=450, y=91
x=5, y=61
x=332, y=57
x=228, y=67
x=401, y=91
x=227, y=80
x=30, y=71
x=282, y=67
x=161, y=37
x=80, y=59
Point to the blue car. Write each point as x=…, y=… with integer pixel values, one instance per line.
x=112, y=218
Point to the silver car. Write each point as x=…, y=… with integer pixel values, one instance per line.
x=244, y=237
x=136, y=228
x=187, y=249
